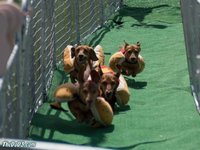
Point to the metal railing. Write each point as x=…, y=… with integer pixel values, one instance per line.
x=191, y=23
x=50, y=27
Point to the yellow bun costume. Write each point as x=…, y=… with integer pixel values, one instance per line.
x=99, y=114
x=102, y=114
x=118, y=58
x=64, y=93
x=122, y=93
x=100, y=55
x=68, y=61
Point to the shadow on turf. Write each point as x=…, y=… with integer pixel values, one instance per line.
x=59, y=77
x=121, y=109
x=138, y=144
x=99, y=35
x=139, y=14
x=135, y=84
x=51, y=124
x=158, y=26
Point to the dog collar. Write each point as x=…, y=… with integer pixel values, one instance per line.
x=122, y=50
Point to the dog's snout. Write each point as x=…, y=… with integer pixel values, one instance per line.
x=81, y=56
x=133, y=60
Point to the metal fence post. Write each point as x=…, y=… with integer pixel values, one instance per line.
x=76, y=5
x=191, y=21
x=102, y=18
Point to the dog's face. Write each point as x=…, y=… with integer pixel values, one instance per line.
x=131, y=52
x=109, y=84
x=83, y=53
x=89, y=90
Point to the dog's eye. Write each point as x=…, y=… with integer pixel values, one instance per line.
x=136, y=52
x=129, y=52
x=85, y=52
x=77, y=50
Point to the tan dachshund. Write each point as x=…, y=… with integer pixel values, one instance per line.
x=11, y=20
x=129, y=59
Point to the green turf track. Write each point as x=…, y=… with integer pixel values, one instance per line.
x=162, y=114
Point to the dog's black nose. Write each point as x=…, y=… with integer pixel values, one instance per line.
x=134, y=60
x=80, y=56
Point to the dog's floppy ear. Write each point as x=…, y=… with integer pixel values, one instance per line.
x=73, y=52
x=73, y=49
x=92, y=54
x=95, y=76
x=126, y=44
x=138, y=45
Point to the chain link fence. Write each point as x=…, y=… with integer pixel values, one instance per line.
x=51, y=26
x=191, y=21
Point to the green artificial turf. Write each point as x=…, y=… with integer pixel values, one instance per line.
x=162, y=113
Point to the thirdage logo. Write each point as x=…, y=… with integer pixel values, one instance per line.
x=17, y=143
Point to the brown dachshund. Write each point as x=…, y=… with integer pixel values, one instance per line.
x=129, y=59
x=88, y=93
x=83, y=62
x=109, y=84
x=131, y=64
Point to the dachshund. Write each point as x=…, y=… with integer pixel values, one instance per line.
x=129, y=59
x=108, y=84
x=131, y=64
x=83, y=62
x=89, y=90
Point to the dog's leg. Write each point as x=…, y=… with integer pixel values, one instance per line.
x=73, y=76
x=75, y=109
